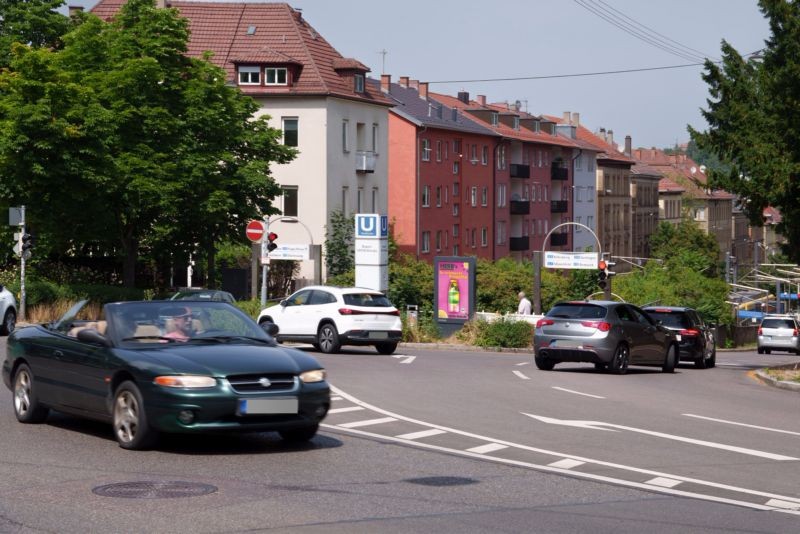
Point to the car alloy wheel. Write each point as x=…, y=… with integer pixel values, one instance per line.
x=328, y=339
x=26, y=407
x=130, y=422
x=9, y=322
x=619, y=363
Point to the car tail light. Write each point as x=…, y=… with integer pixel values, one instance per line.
x=600, y=325
x=544, y=322
x=350, y=311
x=794, y=332
x=690, y=332
x=760, y=331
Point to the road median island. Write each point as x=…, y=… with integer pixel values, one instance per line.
x=781, y=376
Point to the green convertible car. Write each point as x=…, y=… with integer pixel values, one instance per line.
x=166, y=366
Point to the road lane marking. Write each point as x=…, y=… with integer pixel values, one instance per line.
x=598, y=425
x=336, y=398
x=489, y=447
x=742, y=424
x=368, y=422
x=663, y=482
x=578, y=392
x=524, y=363
x=422, y=434
x=579, y=474
x=408, y=359
x=566, y=463
x=521, y=375
x=347, y=409
x=777, y=503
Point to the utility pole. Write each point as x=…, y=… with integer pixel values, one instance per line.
x=22, y=295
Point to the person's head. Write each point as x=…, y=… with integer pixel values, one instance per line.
x=521, y=295
x=182, y=317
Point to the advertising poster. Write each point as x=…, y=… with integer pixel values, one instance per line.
x=453, y=291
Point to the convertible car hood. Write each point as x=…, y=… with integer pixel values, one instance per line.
x=228, y=358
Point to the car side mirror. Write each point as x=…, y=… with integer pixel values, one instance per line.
x=90, y=335
x=284, y=303
x=270, y=328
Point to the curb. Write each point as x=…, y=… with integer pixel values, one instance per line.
x=762, y=376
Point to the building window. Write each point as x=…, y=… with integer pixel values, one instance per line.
x=426, y=150
x=578, y=229
x=455, y=230
x=438, y=196
x=375, y=138
x=345, y=193
x=438, y=150
x=516, y=123
x=447, y=150
x=501, y=157
x=290, y=201
x=455, y=250
x=457, y=147
x=375, y=200
x=485, y=196
x=426, y=196
x=455, y=209
x=501, y=232
x=249, y=75
x=425, y=246
x=590, y=194
x=360, y=200
x=474, y=156
x=473, y=197
x=472, y=238
x=590, y=221
x=290, y=131
x=501, y=195
x=484, y=237
x=359, y=83
x=578, y=193
x=495, y=118
x=275, y=76
x=456, y=189
x=485, y=155
x=345, y=136
x=540, y=157
x=456, y=167
x=438, y=240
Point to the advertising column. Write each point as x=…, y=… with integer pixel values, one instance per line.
x=372, y=251
x=453, y=291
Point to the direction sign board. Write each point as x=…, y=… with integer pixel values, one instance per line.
x=298, y=252
x=570, y=260
x=255, y=230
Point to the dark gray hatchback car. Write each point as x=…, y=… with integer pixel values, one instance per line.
x=609, y=334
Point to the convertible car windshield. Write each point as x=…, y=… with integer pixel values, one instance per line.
x=128, y=323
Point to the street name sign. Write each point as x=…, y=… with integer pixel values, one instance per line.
x=570, y=260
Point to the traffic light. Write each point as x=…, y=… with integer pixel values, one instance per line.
x=271, y=245
x=602, y=274
x=27, y=242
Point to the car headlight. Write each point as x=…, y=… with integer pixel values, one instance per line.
x=317, y=375
x=185, y=381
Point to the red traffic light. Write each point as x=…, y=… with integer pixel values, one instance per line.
x=602, y=265
x=272, y=236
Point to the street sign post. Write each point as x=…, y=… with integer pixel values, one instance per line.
x=255, y=231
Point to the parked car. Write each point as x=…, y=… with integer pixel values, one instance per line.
x=196, y=293
x=329, y=317
x=227, y=375
x=696, y=339
x=779, y=332
x=8, y=311
x=609, y=334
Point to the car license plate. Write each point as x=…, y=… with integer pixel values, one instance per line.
x=566, y=344
x=767, y=338
x=378, y=335
x=678, y=337
x=268, y=406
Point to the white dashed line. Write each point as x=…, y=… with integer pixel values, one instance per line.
x=785, y=505
x=521, y=375
x=578, y=393
x=524, y=363
x=422, y=434
x=348, y=409
x=663, y=482
x=336, y=398
x=368, y=422
x=489, y=447
x=566, y=463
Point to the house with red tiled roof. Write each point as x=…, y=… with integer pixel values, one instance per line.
x=441, y=178
x=645, y=182
x=670, y=201
x=321, y=101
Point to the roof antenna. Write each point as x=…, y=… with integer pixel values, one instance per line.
x=383, y=53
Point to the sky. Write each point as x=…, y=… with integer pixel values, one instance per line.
x=464, y=41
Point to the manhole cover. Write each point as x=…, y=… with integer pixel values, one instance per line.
x=154, y=490
x=442, y=481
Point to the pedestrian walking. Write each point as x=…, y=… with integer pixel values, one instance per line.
x=524, y=304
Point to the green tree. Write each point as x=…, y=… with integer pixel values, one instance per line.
x=754, y=122
x=686, y=244
x=30, y=22
x=339, y=238
x=131, y=144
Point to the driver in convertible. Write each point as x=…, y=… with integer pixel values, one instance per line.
x=181, y=319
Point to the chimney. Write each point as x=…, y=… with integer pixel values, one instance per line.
x=576, y=119
x=482, y=100
x=611, y=137
x=603, y=134
x=423, y=90
x=403, y=81
x=463, y=96
x=628, y=146
x=567, y=118
x=386, y=83
x=414, y=84
x=163, y=3
x=74, y=10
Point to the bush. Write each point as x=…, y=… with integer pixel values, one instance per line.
x=39, y=291
x=251, y=307
x=425, y=331
x=500, y=333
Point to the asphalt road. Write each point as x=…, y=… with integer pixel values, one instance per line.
x=445, y=441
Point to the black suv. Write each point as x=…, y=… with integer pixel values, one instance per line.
x=695, y=337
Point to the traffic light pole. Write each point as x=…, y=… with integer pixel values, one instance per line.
x=264, y=263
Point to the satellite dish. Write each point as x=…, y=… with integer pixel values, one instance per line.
x=693, y=170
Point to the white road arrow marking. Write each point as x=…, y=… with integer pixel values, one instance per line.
x=594, y=426
x=408, y=359
x=521, y=375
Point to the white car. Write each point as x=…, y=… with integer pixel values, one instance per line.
x=8, y=311
x=329, y=317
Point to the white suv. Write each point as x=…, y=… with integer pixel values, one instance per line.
x=8, y=311
x=329, y=317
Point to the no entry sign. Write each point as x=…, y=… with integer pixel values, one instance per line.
x=255, y=231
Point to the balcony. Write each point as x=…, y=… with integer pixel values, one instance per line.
x=365, y=161
x=559, y=173
x=520, y=207
x=517, y=170
x=559, y=206
x=559, y=240
x=519, y=243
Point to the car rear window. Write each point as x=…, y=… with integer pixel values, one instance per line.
x=577, y=311
x=777, y=323
x=367, y=299
x=673, y=319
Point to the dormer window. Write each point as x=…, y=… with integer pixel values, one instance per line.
x=249, y=75
x=359, y=83
x=276, y=76
x=516, y=123
x=495, y=118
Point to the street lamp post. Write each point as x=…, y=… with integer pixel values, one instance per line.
x=265, y=252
